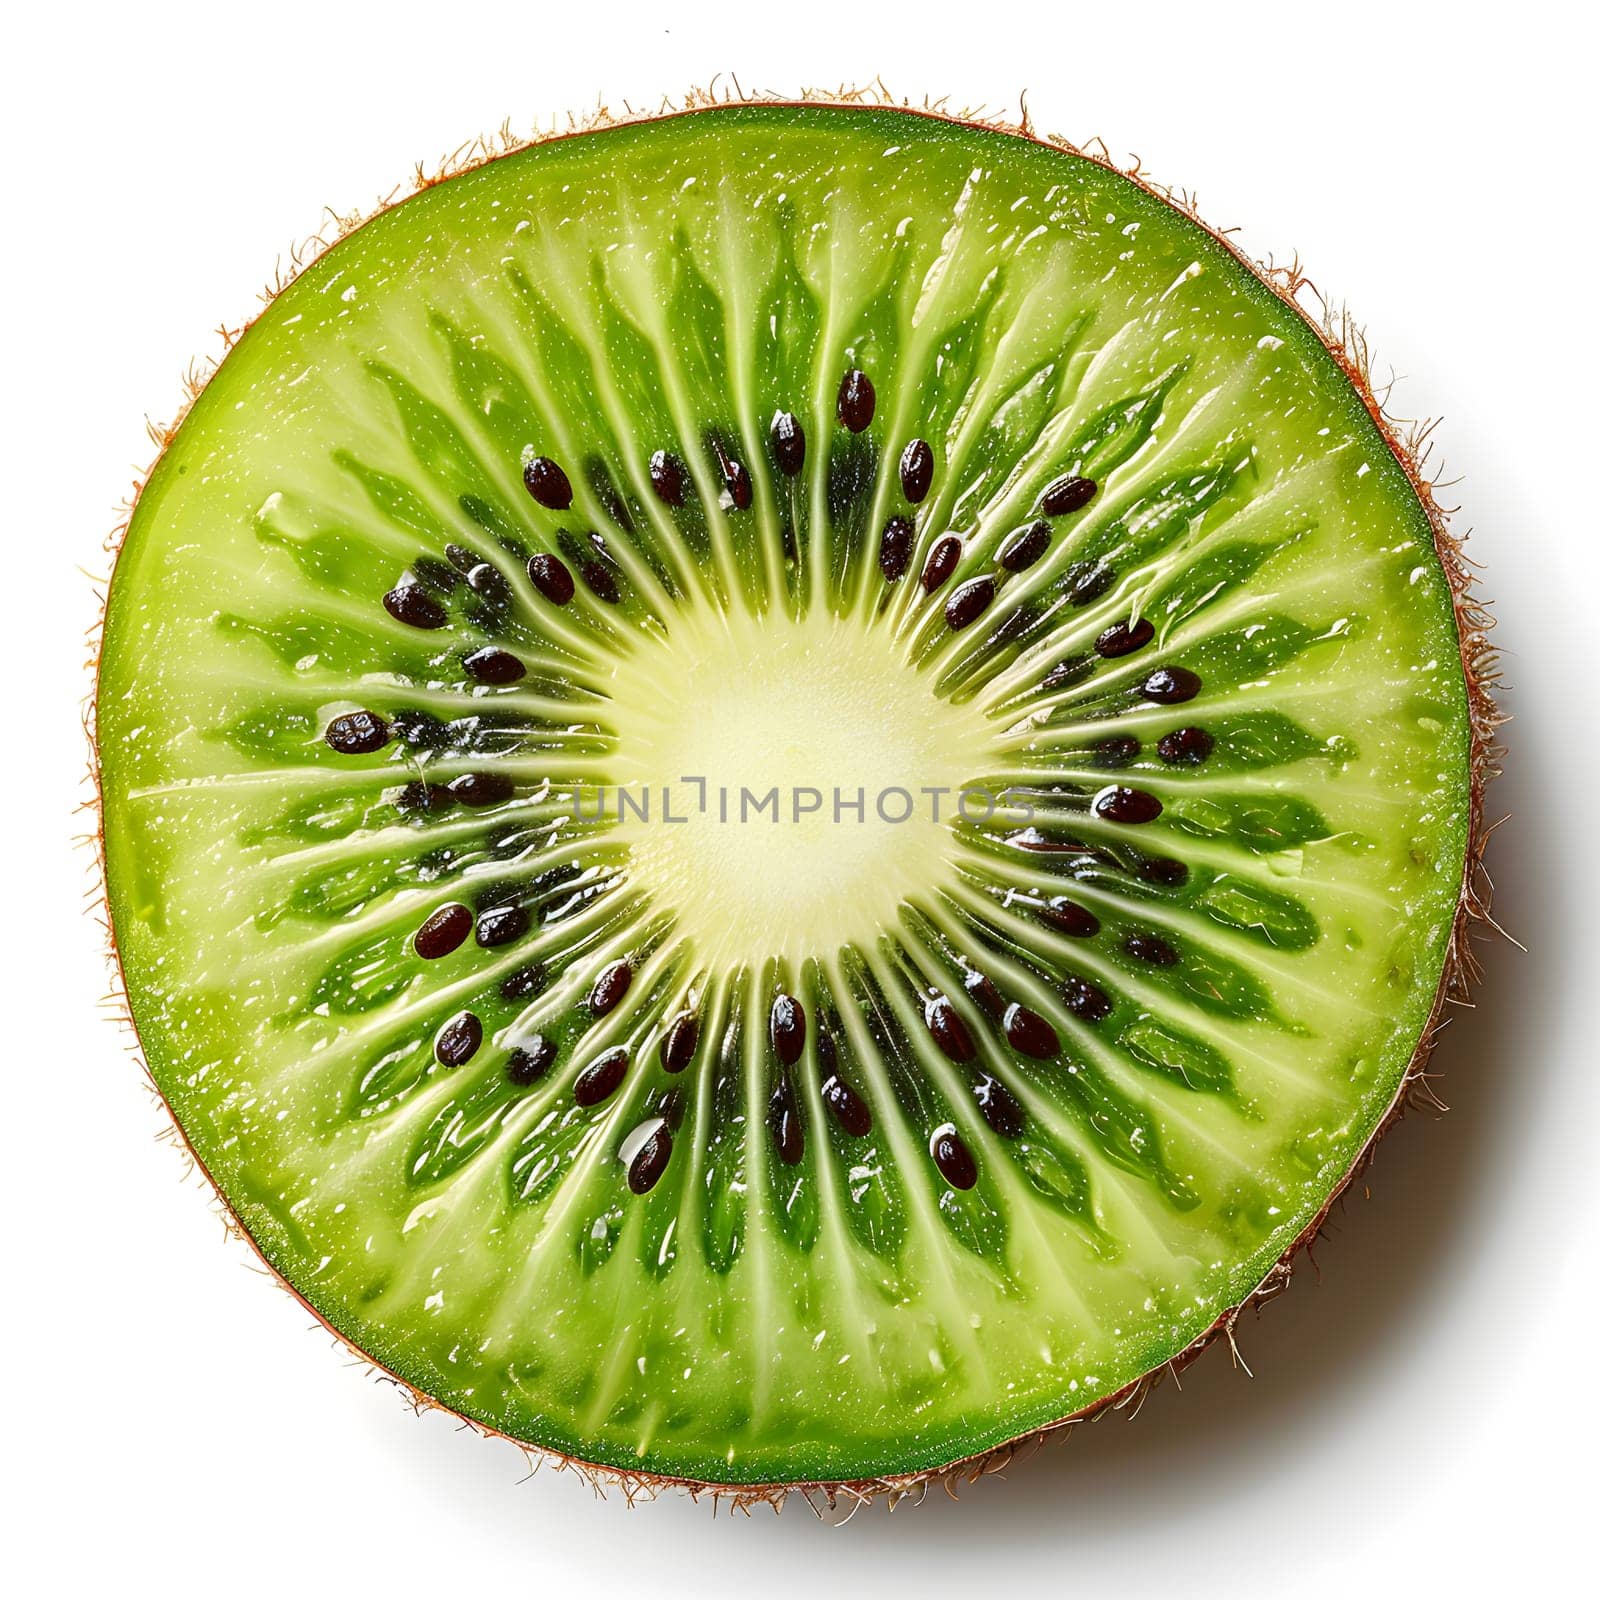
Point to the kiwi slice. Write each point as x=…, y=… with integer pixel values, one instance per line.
x=785, y=790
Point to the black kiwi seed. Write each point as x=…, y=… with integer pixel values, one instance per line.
x=481, y=788
x=1017, y=623
x=1087, y=581
x=669, y=1104
x=600, y=581
x=357, y=733
x=969, y=602
x=1170, y=686
x=953, y=1159
x=999, y=1106
x=736, y=478
x=411, y=604
x=787, y=1025
x=667, y=478
x=419, y=799
x=788, y=443
x=1024, y=547
x=444, y=931
x=857, y=400
x=609, y=987
x=461, y=558
x=437, y=574
x=501, y=924
x=827, y=1054
x=1067, y=494
x=547, y=483
x=1066, y=673
x=1123, y=638
x=679, y=1043
x=1085, y=1000
x=1152, y=948
x=488, y=582
x=602, y=1078
x=1118, y=804
x=982, y=989
x=458, y=1040
x=1068, y=917
x=1117, y=752
x=948, y=1030
x=943, y=559
x=549, y=575
x=493, y=665
x=894, y=549
x=1029, y=1033
x=1185, y=747
x=916, y=471
x=850, y=1111
x=650, y=1160
x=783, y=1117
x=1163, y=870
x=529, y=1062
x=526, y=983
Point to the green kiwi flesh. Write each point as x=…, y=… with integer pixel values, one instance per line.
x=975, y=1121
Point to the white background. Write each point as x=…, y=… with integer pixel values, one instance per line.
x=1422, y=1419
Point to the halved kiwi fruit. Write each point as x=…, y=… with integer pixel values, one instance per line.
x=785, y=790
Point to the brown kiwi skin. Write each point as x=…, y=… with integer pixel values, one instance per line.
x=1409, y=444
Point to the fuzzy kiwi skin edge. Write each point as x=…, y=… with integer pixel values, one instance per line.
x=1459, y=969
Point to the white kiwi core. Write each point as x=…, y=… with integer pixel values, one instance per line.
x=787, y=785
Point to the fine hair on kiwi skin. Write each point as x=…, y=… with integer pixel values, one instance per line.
x=1409, y=448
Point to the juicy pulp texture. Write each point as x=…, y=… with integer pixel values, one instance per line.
x=793, y=1295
